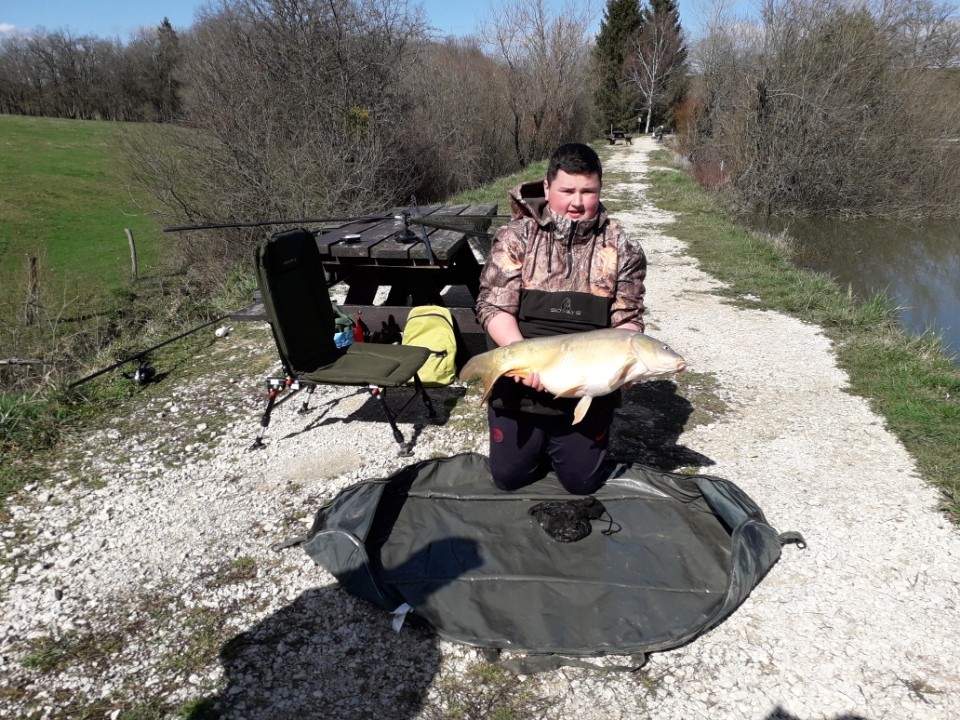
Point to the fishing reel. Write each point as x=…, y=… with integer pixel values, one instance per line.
x=403, y=232
x=144, y=373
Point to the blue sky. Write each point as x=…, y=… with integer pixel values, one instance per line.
x=109, y=18
x=121, y=18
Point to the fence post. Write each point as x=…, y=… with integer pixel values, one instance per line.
x=30, y=305
x=133, y=252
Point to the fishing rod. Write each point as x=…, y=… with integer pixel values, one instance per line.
x=143, y=372
x=467, y=224
x=265, y=223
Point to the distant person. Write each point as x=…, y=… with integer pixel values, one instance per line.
x=560, y=266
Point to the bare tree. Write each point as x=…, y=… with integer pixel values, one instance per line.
x=451, y=130
x=294, y=108
x=544, y=76
x=821, y=114
x=657, y=55
x=62, y=75
x=925, y=32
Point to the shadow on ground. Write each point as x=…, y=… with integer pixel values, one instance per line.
x=326, y=655
x=648, y=426
x=326, y=411
x=332, y=655
x=780, y=714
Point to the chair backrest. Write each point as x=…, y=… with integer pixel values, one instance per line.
x=293, y=286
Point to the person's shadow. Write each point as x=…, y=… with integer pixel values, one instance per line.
x=330, y=654
x=779, y=713
x=648, y=425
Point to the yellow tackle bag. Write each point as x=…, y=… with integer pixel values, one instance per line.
x=433, y=327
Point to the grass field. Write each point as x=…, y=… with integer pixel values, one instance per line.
x=63, y=200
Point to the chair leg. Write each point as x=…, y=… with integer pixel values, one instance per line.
x=275, y=387
x=272, y=393
x=305, y=408
x=419, y=389
x=380, y=394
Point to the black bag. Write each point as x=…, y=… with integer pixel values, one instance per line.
x=472, y=564
x=569, y=520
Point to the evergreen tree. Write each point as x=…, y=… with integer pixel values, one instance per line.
x=616, y=100
x=166, y=90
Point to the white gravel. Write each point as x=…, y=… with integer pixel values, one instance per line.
x=150, y=547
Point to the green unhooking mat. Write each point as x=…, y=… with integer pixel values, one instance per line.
x=673, y=556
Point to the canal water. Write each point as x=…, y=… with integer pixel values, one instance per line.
x=916, y=265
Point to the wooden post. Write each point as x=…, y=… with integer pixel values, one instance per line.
x=133, y=252
x=32, y=301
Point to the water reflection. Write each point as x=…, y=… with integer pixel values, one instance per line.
x=917, y=265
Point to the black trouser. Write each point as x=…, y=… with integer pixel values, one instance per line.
x=520, y=441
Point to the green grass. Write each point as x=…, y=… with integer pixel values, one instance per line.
x=496, y=192
x=908, y=380
x=50, y=655
x=63, y=200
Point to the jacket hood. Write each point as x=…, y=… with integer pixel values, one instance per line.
x=528, y=200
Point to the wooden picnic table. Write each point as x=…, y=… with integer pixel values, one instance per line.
x=372, y=253
x=620, y=135
x=366, y=255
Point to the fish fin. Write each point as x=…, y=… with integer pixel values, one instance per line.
x=581, y=409
x=575, y=391
x=620, y=377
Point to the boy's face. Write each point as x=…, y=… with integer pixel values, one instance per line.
x=573, y=196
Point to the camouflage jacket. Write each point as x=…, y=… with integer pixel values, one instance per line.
x=539, y=250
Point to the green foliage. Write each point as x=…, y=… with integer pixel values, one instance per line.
x=71, y=208
x=199, y=709
x=357, y=120
x=616, y=101
x=204, y=637
x=150, y=710
x=497, y=190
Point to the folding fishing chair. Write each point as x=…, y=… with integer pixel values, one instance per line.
x=298, y=307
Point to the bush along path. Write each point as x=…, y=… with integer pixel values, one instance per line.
x=138, y=578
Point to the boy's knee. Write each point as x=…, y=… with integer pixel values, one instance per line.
x=512, y=471
x=511, y=478
x=580, y=484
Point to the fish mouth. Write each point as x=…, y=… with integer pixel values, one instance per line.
x=681, y=366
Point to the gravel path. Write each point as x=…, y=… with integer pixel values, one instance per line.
x=148, y=552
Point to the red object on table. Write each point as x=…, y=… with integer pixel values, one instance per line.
x=357, y=328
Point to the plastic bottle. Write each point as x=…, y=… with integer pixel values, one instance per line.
x=357, y=328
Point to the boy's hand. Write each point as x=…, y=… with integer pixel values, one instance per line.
x=532, y=380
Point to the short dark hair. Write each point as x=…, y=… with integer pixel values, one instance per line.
x=575, y=159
